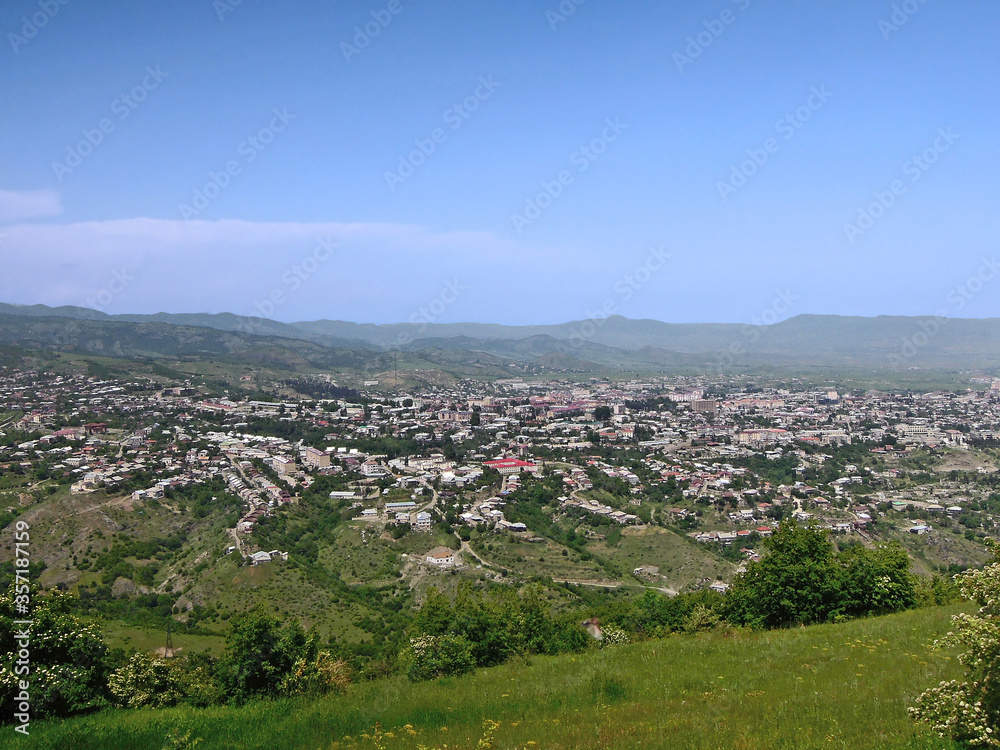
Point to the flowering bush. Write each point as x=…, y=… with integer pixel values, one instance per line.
x=67, y=659
x=615, y=637
x=969, y=711
x=430, y=656
x=146, y=681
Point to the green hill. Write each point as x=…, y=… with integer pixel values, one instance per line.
x=839, y=343
x=829, y=686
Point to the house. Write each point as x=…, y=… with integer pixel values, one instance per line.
x=441, y=556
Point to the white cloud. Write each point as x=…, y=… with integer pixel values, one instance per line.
x=378, y=270
x=16, y=205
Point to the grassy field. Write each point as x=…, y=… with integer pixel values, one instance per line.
x=120, y=635
x=681, y=561
x=831, y=686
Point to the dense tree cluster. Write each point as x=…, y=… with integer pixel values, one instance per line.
x=804, y=580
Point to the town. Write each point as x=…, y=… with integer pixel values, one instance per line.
x=573, y=482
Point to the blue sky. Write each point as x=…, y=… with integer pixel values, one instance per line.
x=842, y=157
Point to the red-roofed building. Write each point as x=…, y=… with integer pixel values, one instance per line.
x=511, y=466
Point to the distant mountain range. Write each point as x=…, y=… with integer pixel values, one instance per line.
x=884, y=342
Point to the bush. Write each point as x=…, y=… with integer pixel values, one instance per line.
x=796, y=583
x=69, y=660
x=318, y=676
x=803, y=581
x=969, y=711
x=431, y=656
x=146, y=680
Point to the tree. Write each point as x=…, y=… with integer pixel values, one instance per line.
x=602, y=413
x=435, y=615
x=969, y=711
x=876, y=580
x=797, y=582
x=259, y=654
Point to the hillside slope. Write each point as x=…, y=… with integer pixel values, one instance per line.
x=829, y=686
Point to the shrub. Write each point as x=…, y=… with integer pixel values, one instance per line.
x=146, y=680
x=969, y=711
x=69, y=660
x=431, y=656
x=615, y=637
x=324, y=674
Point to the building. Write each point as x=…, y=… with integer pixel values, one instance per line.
x=507, y=466
x=423, y=521
x=281, y=465
x=314, y=458
x=441, y=556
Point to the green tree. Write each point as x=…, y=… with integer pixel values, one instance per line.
x=876, y=580
x=435, y=616
x=260, y=653
x=797, y=582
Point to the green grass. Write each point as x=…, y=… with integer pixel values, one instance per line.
x=543, y=558
x=121, y=635
x=830, y=686
x=682, y=562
